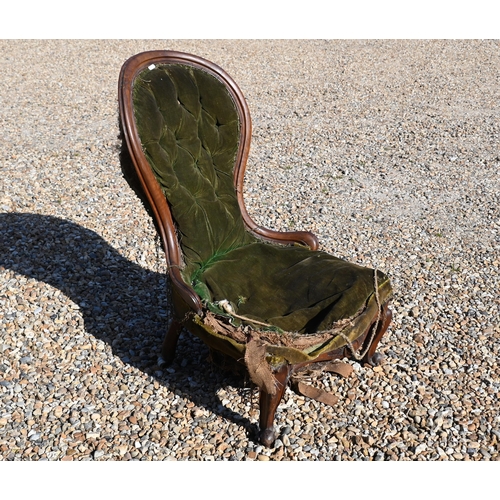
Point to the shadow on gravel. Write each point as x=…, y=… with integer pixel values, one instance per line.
x=121, y=303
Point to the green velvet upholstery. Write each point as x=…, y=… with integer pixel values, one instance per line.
x=291, y=287
x=189, y=129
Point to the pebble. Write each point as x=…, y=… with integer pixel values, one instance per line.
x=387, y=150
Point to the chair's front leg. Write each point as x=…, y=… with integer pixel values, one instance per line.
x=170, y=343
x=268, y=405
x=372, y=357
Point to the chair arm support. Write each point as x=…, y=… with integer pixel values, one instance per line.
x=187, y=294
x=302, y=237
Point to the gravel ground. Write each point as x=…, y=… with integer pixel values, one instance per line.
x=387, y=150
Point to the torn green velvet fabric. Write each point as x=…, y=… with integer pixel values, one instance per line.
x=291, y=287
x=189, y=130
x=278, y=351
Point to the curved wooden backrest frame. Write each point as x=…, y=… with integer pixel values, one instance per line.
x=154, y=195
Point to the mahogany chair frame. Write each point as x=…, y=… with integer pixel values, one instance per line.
x=184, y=296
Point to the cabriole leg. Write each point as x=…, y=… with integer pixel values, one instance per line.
x=170, y=343
x=372, y=357
x=268, y=405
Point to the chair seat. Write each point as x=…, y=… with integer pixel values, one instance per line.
x=289, y=287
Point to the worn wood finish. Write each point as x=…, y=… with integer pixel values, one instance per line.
x=372, y=357
x=170, y=342
x=189, y=300
x=269, y=404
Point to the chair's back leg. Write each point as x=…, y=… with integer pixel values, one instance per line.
x=269, y=403
x=170, y=343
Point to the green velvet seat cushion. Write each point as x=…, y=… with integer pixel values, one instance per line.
x=291, y=287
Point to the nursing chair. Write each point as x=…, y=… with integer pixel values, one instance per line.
x=271, y=300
